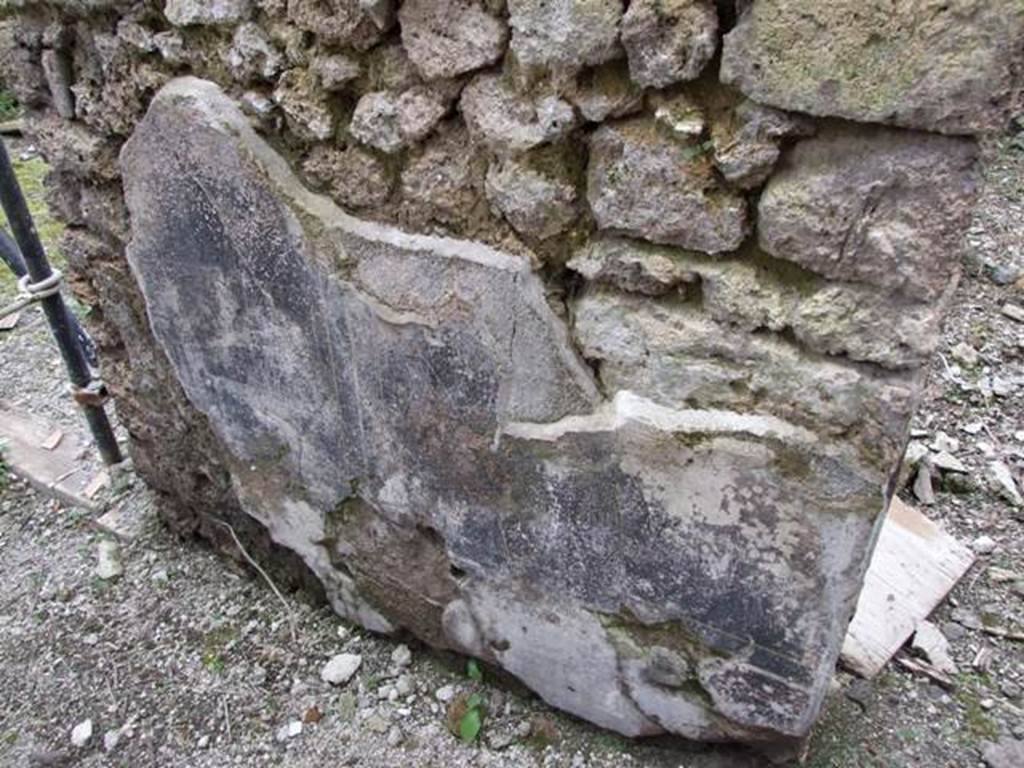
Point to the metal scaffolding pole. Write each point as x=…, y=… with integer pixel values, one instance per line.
x=44, y=282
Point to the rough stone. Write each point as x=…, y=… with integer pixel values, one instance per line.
x=538, y=199
x=605, y=91
x=669, y=41
x=306, y=108
x=445, y=38
x=508, y=122
x=353, y=176
x=340, y=669
x=81, y=734
x=953, y=67
x=391, y=121
x=649, y=270
x=399, y=399
x=1003, y=483
x=341, y=22
x=335, y=71
x=445, y=183
x=564, y=35
x=641, y=183
x=183, y=13
x=252, y=55
x=1007, y=753
x=748, y=146
x=873, y=205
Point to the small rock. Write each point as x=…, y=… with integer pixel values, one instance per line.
x=252, y=55
x=1003, y=274
x=81, y=734
x=965, y=354
x=923, y=490
x=944, y=442
x=966, y=618
x=1007, y=753
x=376, y=723
x=404, y=686
x=929, y=640
x=289, y=730
x=1005, y=486
x=395, y=736
x=974, y=428
x=984, y=545
x=953, y=631
x=203, y=742
x=499, y=741
x=108, y=557
x=111, y=739
x=445, y=693
x=564, y=35
x=335, y=71
x=401, y=656
x=339, y=670
x=509, y=122
x=947, y=462
x=1013, y=312
x=304, y=104
x=1010, y=690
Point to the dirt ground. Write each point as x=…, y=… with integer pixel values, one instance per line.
x=187, y=659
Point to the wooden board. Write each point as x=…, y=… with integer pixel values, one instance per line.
x=57, y=472
x=914, y=567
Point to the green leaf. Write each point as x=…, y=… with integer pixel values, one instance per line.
x=473, y=671
x=470, y=725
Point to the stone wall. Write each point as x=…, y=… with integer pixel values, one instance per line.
x=578, y=337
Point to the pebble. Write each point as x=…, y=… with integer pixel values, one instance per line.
x=289, y=730
x=947, y=462
x=339, y=670
x=1003, y=274
x=395, y=736
x=1008, y=753
x=376, y=723
x=984, y=545
x=203, y=742
x=1005, y=486
x=111, y=739
x=944, y=442
x=81, y=734
x=923, y=484
x=401, y=656
x=1013, y=312
x=445, y=693
x=108, y=560
x=1010, y=690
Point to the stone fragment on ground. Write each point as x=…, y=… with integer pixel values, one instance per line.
x=340, y=669
x=81, y=734
x=108, y=560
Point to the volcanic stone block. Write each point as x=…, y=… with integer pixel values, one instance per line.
x=951, y=66
x=409, y=416
x=643, y=183
x=875, y=205
x=446, y=38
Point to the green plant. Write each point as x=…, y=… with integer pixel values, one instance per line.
x=9, y=107
x=472, y=721
x=473, y=671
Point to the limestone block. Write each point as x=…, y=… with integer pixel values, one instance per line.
x=645, y=184
x=409, y=416
x=951, y=66
x=669, y=41
x=445, y=38
x=874, y=205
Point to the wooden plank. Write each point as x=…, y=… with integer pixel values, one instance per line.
x=914, y=566
x=57, y=472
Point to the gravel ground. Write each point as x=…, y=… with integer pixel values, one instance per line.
x=187, y=660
